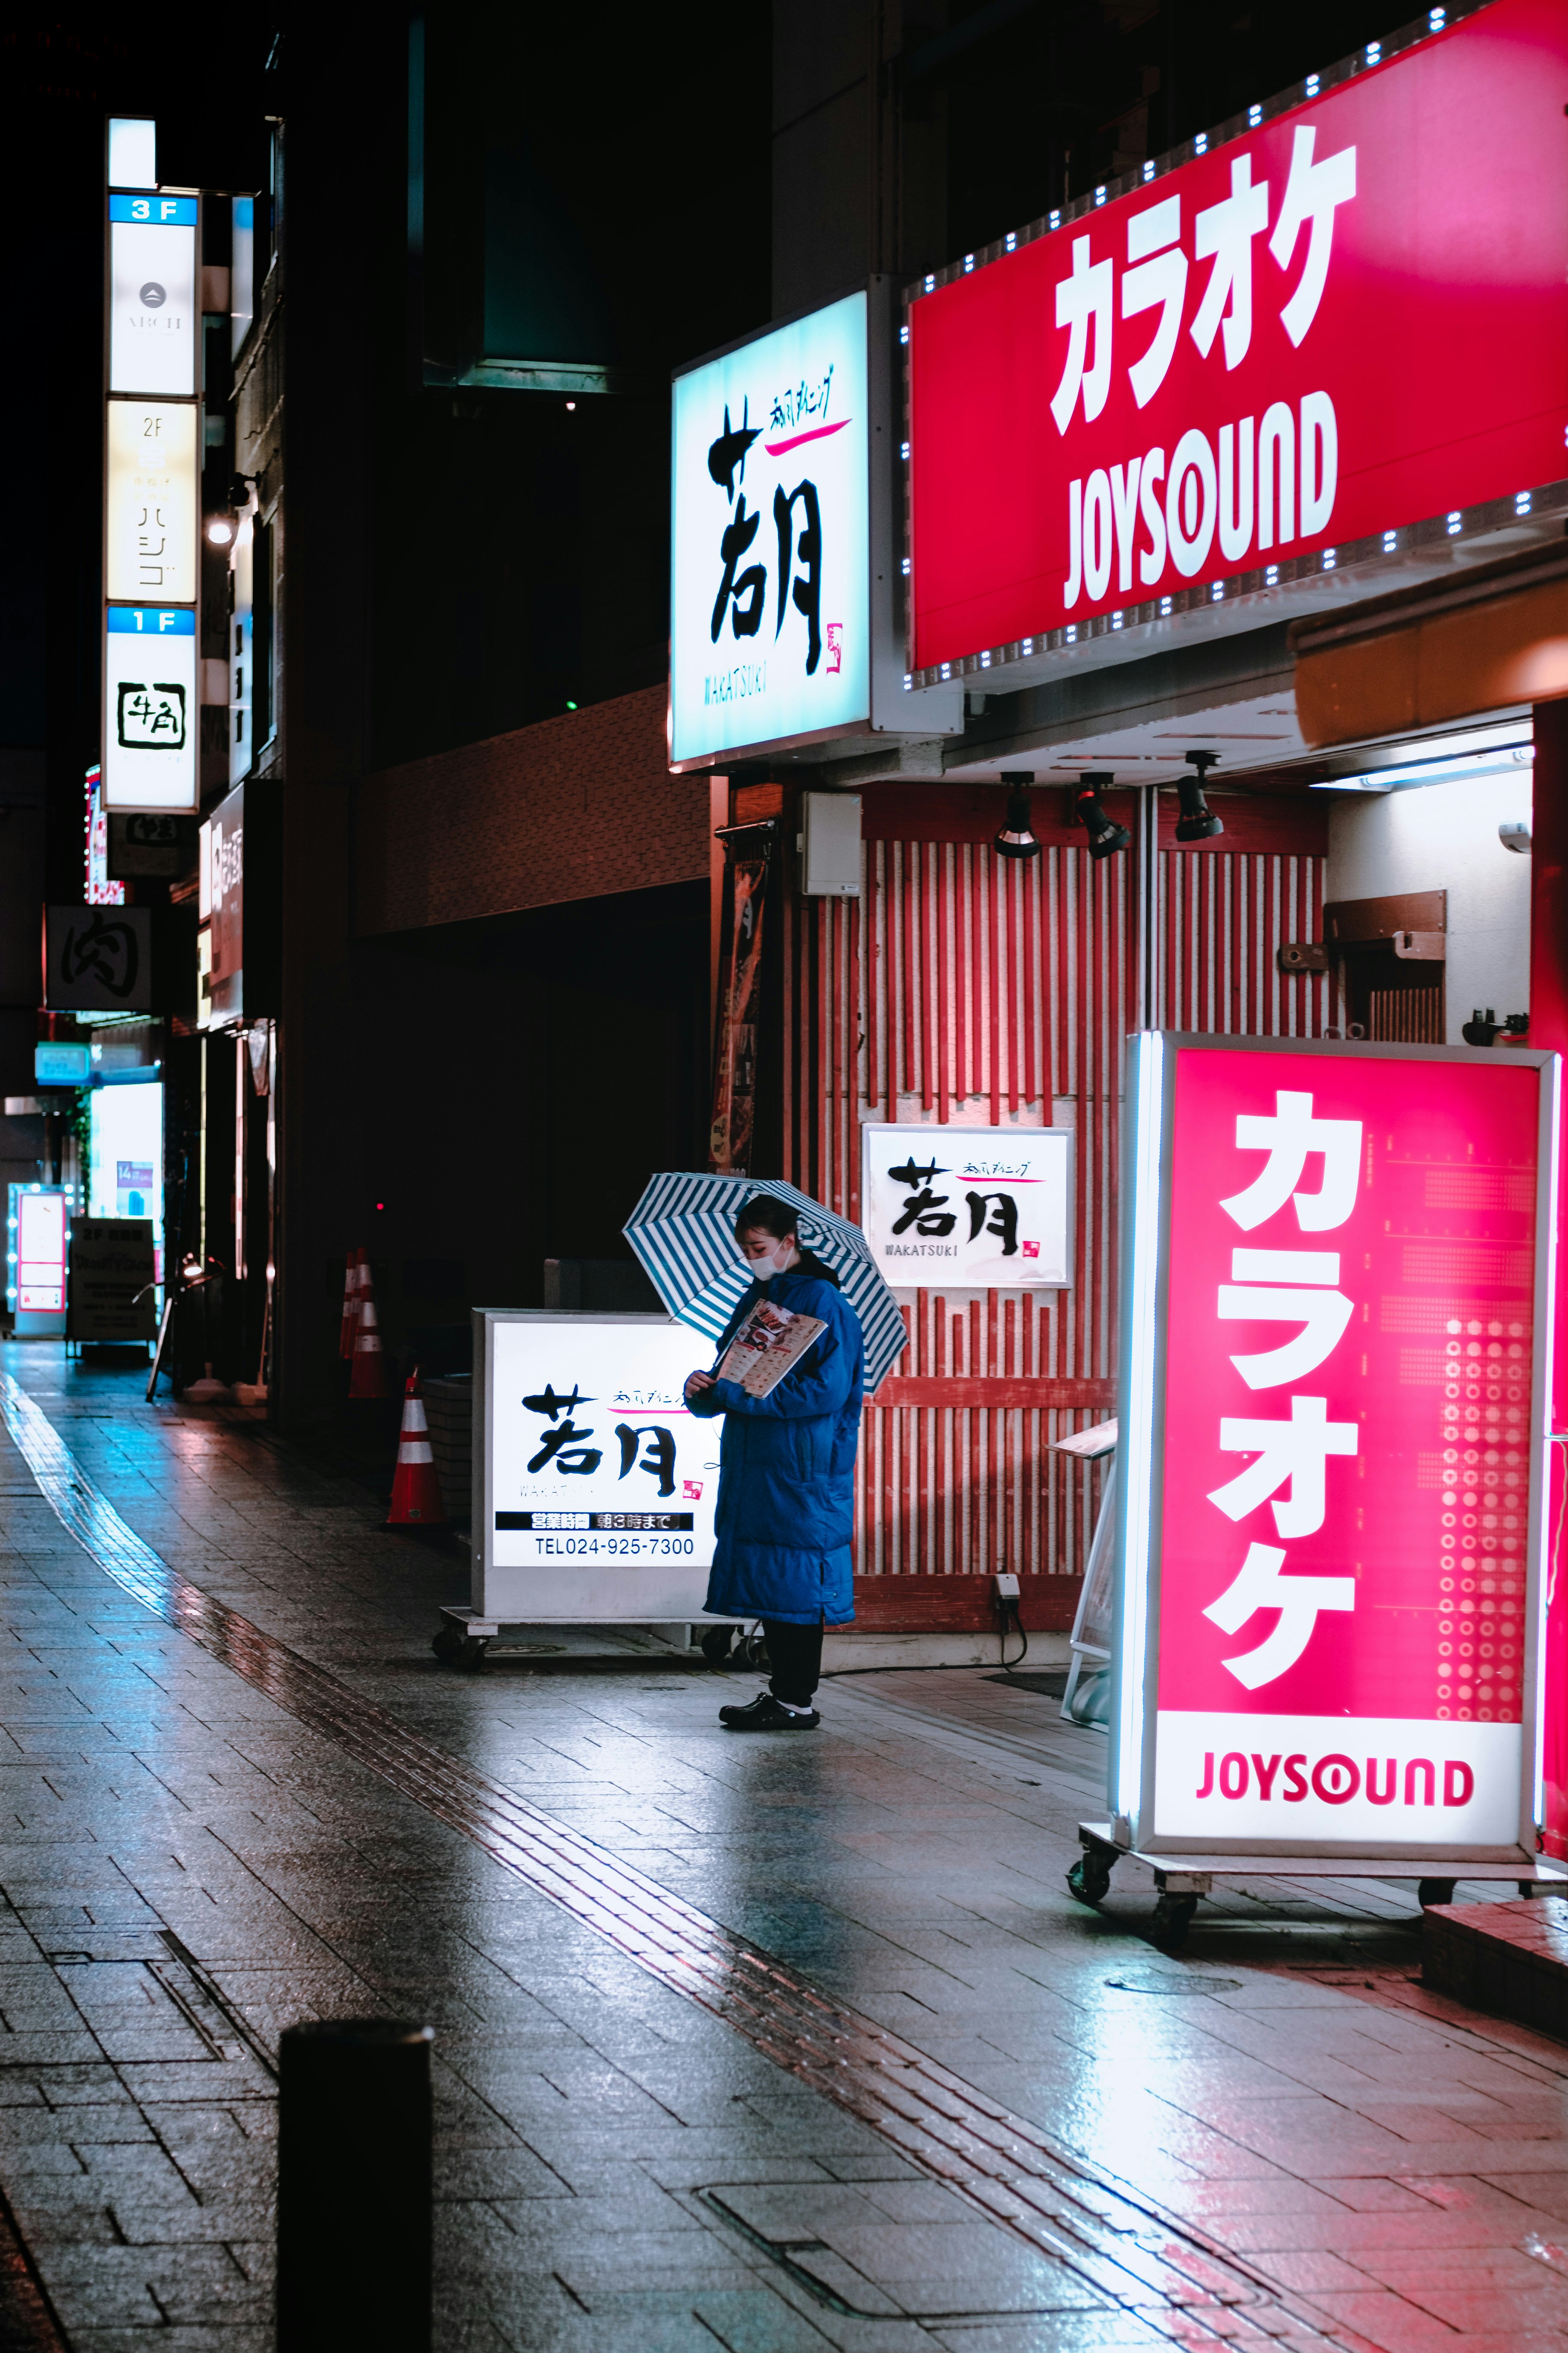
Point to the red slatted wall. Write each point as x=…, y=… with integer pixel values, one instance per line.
x=965, y=986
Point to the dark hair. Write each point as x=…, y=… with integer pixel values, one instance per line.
x=764, y=1213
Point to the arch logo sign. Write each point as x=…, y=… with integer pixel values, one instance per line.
x=1332, y=332
x=153, y=314
x=1335, y=1341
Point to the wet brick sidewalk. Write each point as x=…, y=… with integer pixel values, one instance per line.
x=186, y=1867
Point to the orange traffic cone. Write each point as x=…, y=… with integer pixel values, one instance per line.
x=367, y=1375
x=351, y=1302
x=416, y=1489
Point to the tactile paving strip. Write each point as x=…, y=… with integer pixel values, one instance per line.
x=1177, y=2279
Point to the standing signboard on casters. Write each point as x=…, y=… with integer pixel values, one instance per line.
x=1337, y=1264
x=594, y=1483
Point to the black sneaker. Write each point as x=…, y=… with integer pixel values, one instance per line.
x=765, y=1715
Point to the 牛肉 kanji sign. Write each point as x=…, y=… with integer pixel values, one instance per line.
x=1348, y=319
x=1332, y=1442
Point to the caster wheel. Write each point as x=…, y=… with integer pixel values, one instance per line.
x=470, y=1655
x=1435, y=1891
x=1172, y=1918
x=1089, y=1880
x=447, y=1645
x=716, y=1643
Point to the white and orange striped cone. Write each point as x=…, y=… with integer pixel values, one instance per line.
x=367, y=1376
x=416, y=1498
x=350, y=1304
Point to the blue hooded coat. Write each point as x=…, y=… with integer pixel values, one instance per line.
x=786, y=1480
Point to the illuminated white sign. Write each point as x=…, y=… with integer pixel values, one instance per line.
x=151, y=715
x=599, y=1484
x=152, y=501
x=153, y=316
x=40, y=1239
x=976, y=1208
x=769, y=582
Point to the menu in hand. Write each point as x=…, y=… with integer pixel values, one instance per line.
x=768, y=1343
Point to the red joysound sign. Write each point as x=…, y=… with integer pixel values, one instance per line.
x=1348, y=319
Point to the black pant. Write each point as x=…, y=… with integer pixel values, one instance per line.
x=794, y=1653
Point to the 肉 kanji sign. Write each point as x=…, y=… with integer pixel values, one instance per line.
x=1351, y=317
x=1332, y=1441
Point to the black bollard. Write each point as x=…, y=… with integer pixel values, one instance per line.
x=354, y=2187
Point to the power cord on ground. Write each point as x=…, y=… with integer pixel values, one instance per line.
x=1005, y=1592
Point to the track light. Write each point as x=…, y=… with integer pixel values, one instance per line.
x=1016, y=838
x=1104, y=837
x=1197, y=821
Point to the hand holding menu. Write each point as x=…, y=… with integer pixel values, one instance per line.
x=768, y=1343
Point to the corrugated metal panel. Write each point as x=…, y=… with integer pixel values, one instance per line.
x=965, y=986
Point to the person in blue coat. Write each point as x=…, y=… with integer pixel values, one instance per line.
x=786, y=1480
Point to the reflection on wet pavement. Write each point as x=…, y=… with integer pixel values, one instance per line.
x=771, y=2045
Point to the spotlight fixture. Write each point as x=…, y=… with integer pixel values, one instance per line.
x=1197, y=821
x=1104, y=837
x=220, y=530
x=1016, y=838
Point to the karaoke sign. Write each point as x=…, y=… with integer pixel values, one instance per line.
x=1347, y=317
x=1344, y=1482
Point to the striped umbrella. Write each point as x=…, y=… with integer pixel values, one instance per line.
x=683, y=1231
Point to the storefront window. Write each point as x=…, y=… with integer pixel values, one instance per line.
x=125, y=1173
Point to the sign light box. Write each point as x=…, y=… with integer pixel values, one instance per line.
x=1335, y=334
x=1336, y=1327
x=153, y=299
x=151, y=715
x=968, y=1207
x=598, y=1484
x=35, y=1260
x=154, y=486
x=770, y=591
x=56, y=1065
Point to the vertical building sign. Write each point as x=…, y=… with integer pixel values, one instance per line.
x=151, y=721
x=740, y=1005
x=100, y=891
x=1331, y=1440
x=221, y=907
x=242, y=652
